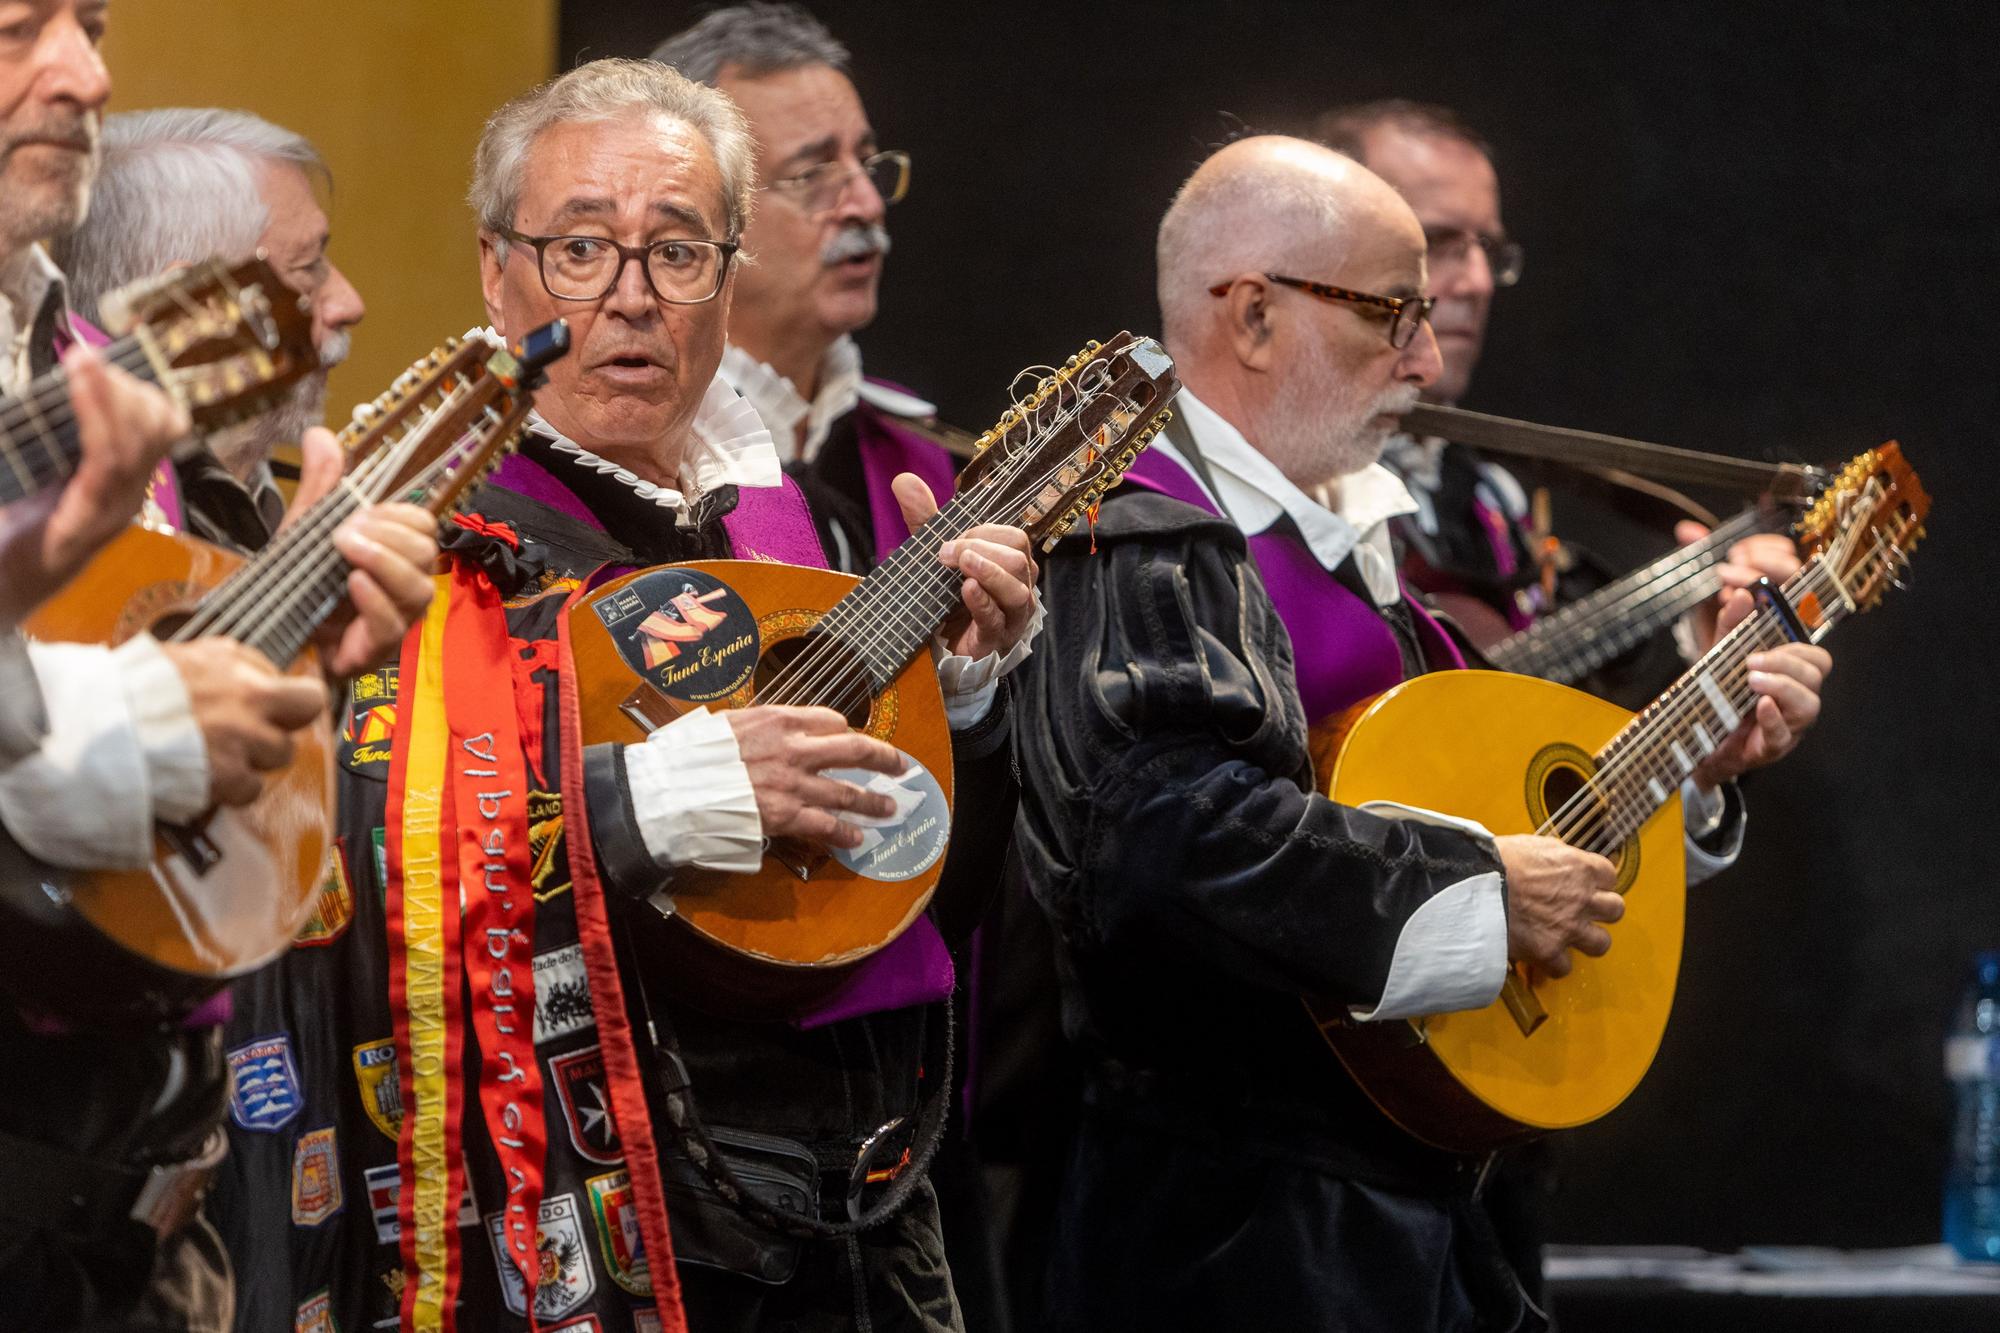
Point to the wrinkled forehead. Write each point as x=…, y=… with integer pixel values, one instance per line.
x=800, y=116
x=646, y=170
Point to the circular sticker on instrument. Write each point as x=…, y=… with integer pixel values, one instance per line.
x=685, y=632
x=905, y=844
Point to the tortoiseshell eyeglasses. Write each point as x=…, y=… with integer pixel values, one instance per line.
x=1406, y=313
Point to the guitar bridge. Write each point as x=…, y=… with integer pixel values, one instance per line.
x=192, y=844
x=800, y=857
x=1522, y=1002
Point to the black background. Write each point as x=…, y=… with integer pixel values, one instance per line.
x=1766, y=231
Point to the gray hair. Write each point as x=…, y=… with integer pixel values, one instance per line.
x=1262, y=216
x=759, y=38
x=606, y=90
x=178, y=185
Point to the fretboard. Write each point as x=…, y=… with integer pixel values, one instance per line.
x=1617, y=618
x=39, y=446
x=1645, y=763
x=893, y=614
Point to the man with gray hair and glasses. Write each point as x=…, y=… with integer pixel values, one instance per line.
x=814, y=251
x=182, y=184
x=630, y=1157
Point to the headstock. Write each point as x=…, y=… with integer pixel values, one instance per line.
x=224, y=339
x=449, y=418
x=1052, y=456
x=1865, y=524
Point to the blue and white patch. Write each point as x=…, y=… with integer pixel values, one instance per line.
x=264, y=1091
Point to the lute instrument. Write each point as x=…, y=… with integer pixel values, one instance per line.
x=223, y=341
x=1523, y=755
x=228, y=892
x=727, y=634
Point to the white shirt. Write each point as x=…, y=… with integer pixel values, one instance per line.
x=123, y=748
x=841, y=387
x=691, y=794
x=1452, y=952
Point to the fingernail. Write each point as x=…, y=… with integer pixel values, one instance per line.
x=948, y=552
x=1755, y=662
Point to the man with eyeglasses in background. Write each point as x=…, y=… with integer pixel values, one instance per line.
x=1474, y=543
x=815, y=249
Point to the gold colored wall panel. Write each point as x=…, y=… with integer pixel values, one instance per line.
x=393, y=93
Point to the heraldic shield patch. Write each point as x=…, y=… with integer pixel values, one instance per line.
x=565, y=1280
x=264, y=1084
x=617, y=1218
x=586, y=1104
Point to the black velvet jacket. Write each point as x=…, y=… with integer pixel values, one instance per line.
x=1228, y=1169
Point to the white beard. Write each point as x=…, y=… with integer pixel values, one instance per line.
x=1322, y=425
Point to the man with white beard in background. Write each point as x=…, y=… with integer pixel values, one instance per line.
x=181, y=185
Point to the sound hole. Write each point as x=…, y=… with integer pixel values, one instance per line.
x=1556, y=777
x=816, y=669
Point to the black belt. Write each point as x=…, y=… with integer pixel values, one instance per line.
x=82, y=1197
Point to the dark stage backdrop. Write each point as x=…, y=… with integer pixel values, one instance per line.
x=1764, y=236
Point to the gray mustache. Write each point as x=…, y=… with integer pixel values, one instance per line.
x=856, y=242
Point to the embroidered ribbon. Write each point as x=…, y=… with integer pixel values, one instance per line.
x=607, y=1001
x=424, y=982
x=490, y=808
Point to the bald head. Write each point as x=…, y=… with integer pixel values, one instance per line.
x=1309, y=380
x=1269, y=204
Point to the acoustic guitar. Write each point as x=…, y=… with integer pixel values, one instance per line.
x=223, y=341
x=726, y=634
x=1522, y=755
x=228, y=893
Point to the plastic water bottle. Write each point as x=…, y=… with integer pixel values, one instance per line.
x=1972, y=1062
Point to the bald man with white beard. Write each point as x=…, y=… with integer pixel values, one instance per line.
x=1228, y=1174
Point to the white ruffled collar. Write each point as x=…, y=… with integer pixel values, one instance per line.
x=781, y=405
x=729, y=445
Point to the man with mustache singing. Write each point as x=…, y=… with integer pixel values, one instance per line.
x=815, y=249
x=1227, y=1173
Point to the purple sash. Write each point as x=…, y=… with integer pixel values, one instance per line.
x=888, y=448
x=773, y=522
x=1342, y=649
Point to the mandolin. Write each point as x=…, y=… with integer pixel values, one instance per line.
x=228, y=893
x=652, y=645
x=1523, y=755
x=223, y=341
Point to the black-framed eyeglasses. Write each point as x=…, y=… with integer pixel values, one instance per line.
x=1503, y=257
x=587, y=268
x=1406, y=313
x=818, y=189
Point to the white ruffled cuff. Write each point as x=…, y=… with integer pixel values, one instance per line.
x=177, y=772
x=692, y=798
x=970, y=687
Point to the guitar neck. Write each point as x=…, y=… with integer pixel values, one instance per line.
x=893, y=613
x=1645, y=763
x=39, y=445
x=1583, y=636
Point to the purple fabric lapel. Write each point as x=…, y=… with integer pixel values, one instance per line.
x=1342, y=651
x=165, y=488
x=774, y=522
x=887, y=449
